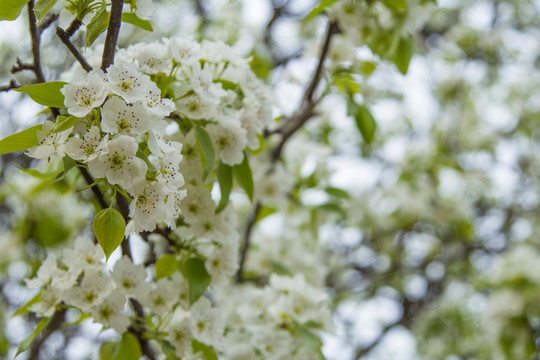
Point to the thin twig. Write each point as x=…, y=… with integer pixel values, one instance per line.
x=95, y=189
x=64, y=37
x=290, y=126
x=12, y=85
x=203, y=14
x=73, y=27
x=56, y=322
x=36, y=35
x=47, y=22
x=246, y=242
x=112, y=34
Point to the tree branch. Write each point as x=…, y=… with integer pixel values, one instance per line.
x=47, y=22
x=36, y=38
x=246, y=242
x=55, y=324
x=201, y=11
x=290, y=126
x=97, y=192
x=112, y=34
x=64, y=37
x=12, y=85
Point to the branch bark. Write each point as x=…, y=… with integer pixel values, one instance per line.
x=35, y=33
x=112, y=34
x=64, y=37
x=290, y=126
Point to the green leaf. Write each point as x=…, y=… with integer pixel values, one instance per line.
x=244, y=177
x=206, y=149
x=20, y=141
x=197, y=277
x=398, y=5
x=312, y=341
x=335, y=208
x=109, y=227
x=166, y=265
x=264, y=212
x=47, y=94
x=129, y=348
x=25, y=344
x=63, y=123
x=47, y=177
x=42, y=7
x=337, y=192
x=107, y=350
x=208, y=351
x=364, y=120
x=319, y=9
x=133, y=19
x=404, y=53
x=224, y=174
x=96, y=26
x=11, y=9
x=26, y=306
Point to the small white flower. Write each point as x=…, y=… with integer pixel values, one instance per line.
x=118, y=163
x=91, y=292
x=82, y=96
x=207, y=322
x=155, y=104
x=154, y=59
x=45, y=273
x=184, y=51
x=162, y=297
x=85, y=255
x=48, y=301
x=109, y=312
x=119, y=117
x=49, y=144
x=230, y=140
x=128, y=277
x=125, y=80
x=194, y=107
x=180, y=336
x=87, y=148
x=144, y=9
x=167, y=167
x=148, y=207
x=203, y=85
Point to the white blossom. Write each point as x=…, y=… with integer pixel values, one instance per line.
x=119, y=117
x=118, y=162
x=109, y=312
x=126, y=81
x=87, y=148
x=52, y=144
x=84, y=95
x=128, y=277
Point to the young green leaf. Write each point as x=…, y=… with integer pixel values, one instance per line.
x=244, y=177
x=264, y=212
x=224, y=173
x=63, y=123
x=404, y=53
x=166, y=265
x=11, y=9
x=323, y=4
x=26, y=306
x=42, y=7
x=25, y=344
x=129, y=348
x=109, y=227
x=364, y=120
x=337, y=192
x=96, y=26
x=47, y=94
x=107, y=350
x=206, y=150
x=398, y=5
x=20, y=141
x=207, y=351
x=198, y=278
x=133, y=19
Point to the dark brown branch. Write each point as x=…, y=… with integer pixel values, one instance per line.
x=12, y=85
x=73, y=27
x=287, y=130
x=35, y=34
x=246, y=242
x=307, y=106
x=55, y=324
x=112, y=34
x=47, y=22
x=20, y=66
x=64, y=37
x=97, y=192
x=201, y=11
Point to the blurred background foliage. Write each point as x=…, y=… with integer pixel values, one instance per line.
x=421, y=189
